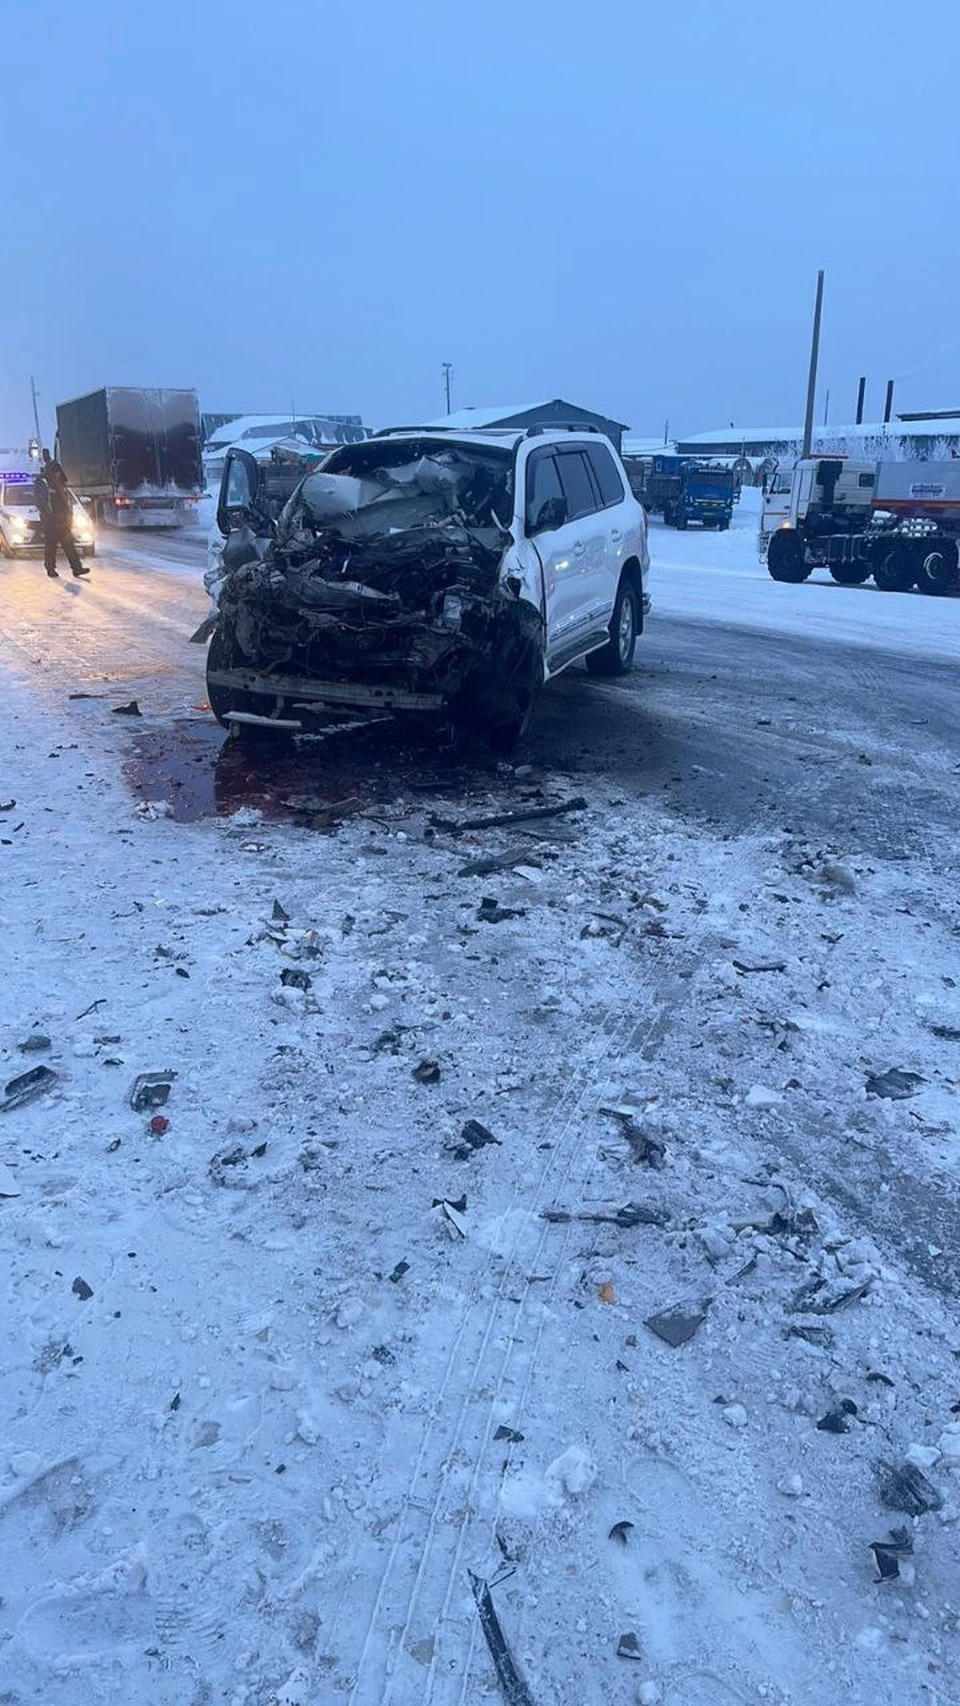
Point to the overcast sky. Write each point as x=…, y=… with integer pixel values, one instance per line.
x=623, y=203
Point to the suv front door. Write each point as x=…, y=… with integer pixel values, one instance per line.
x=562, y=520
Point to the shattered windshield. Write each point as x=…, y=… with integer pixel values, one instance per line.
x=474, y=480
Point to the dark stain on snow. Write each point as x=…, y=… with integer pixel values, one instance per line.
x=199, y=771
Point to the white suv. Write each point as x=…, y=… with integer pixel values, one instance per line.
x=427, y=571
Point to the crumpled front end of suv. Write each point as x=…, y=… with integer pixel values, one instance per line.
x=384, y=590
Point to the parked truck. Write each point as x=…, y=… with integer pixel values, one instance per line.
x=896, y=521
x=683, y=488
x=134, y=453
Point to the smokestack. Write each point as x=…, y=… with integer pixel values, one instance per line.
x=888, y=405
x=861, y=390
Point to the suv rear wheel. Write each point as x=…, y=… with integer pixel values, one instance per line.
x=616, y=657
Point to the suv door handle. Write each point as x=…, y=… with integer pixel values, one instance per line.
x=615, y=533
x=579, y=548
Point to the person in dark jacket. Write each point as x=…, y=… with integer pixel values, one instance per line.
x=56, y=512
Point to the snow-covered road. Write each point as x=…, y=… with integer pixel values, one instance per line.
x=280, y=1374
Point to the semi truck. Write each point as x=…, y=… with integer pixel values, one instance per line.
x=683, y=488
x=896, y=521
x=134, y=453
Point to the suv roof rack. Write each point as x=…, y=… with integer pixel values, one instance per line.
x=560, y=426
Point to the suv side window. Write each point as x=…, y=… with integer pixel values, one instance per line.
x=605, y=474
x=543, y=483
x=577, y=484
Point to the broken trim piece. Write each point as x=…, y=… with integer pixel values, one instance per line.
x=515, y=1690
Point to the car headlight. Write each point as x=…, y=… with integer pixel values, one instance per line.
x=17, y=527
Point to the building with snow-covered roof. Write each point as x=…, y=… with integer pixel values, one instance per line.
x=556, y=413
x=927, y=438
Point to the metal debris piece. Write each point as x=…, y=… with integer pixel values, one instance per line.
x=293, y=978
x=628, y=1647
x=399, y=1271
x=946, y=1033
x=505, y=820
x=774, y=965
x=816, y=1298
x=34, y=1043
x=814, y=1335
x=26, y=1086
x=278, y=914
x=151, y=1090
x=630, y=1215
x=511, y=1434
x=474, y=1136
x=515, y=1690
x=428, y=1071
x=887, y=1554
x=130, y=710
x=619, y=1531
x=907, y=1489
x=678, y=1325
x=491, y=912
x=459, y=1203
x=894, y=1085
x=81, y=1289
x=497, y=862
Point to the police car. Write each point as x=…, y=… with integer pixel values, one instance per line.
x=20, y=529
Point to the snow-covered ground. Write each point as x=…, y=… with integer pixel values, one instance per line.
x=282, y=1373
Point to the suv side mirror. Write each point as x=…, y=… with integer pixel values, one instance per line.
x=551, y=515
x=239, y=491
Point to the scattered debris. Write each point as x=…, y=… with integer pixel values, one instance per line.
x=515, y=1690
x=8, y=1184
x=774, y=965
x=399, y=1271
x=907, y=1489
x=292, y=978
x=631, y=1214
x=131, y=710
x=606, y=1293
x=278, y=914
x=648, y=1149
x=894, y=1085
x=92, y=1007
x=628, y=1647
x=946, y=1033
x=734, y=1415
x=474, y=1136
x=619, y=1531
x=81, y=1289
x=491, y=912
x=223, y=1167
x=428, y=1071
x=497, y=862
x=510, y=1434
x=889, y=1554
x=505, y=820
x=34, y=1043
x=678, y=1325
x=837, y=1421
x=822, y=1337
x=816, y=1297
x=151, y=1090
x=452, y=1214
x=26, y=1086
x=159, y=1125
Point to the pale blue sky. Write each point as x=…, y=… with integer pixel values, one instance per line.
x=618, y=202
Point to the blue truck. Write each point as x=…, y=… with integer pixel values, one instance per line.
x=684, y=488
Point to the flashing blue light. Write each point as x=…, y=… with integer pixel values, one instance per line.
x=18, y=479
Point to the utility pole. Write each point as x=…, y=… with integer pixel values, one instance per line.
x=666, y=430
x=812, y=377
x=826, y=407
x=446, y=368
x=36, y=410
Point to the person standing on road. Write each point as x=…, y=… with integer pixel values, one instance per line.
x=56, y=510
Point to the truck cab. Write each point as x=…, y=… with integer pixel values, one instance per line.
x=820, y=494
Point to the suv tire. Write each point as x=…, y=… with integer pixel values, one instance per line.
x=616, y=657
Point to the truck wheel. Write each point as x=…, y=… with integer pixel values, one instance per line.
x=850, y=574
x=722, y=526
x=616, y=657
x=896, y=571
x=786, y=556
x=938, y=566
x=681, y=523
